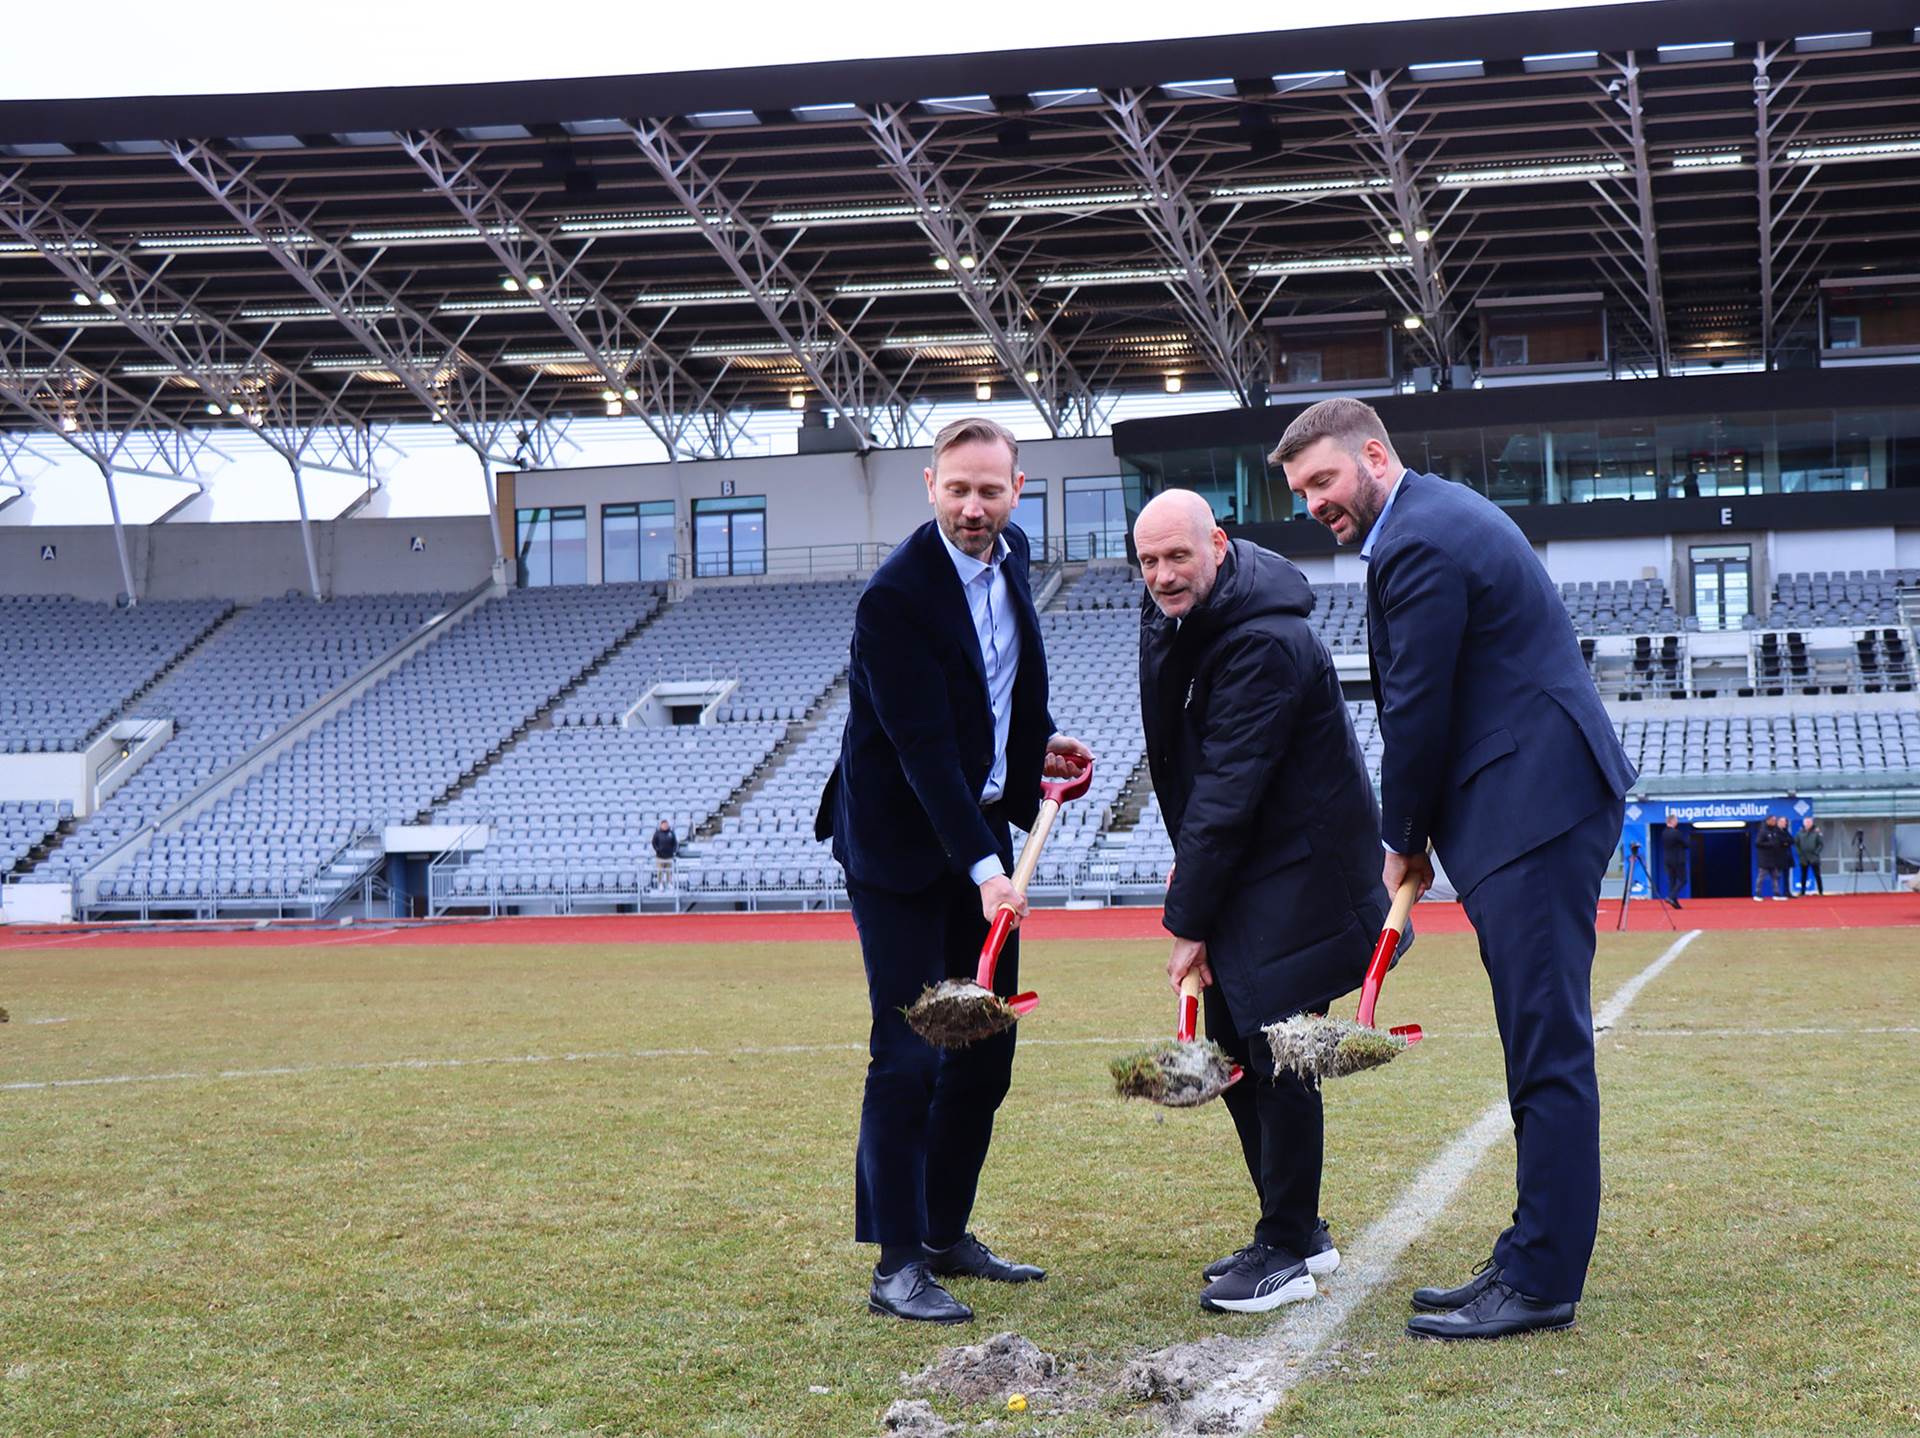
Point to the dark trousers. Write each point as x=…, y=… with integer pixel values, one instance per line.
x=927, y=1117
x=1810, y=874
x=1535, y=921
x=1282, y=1132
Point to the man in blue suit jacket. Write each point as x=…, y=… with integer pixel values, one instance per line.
x=1499, y=753
x=944, y=748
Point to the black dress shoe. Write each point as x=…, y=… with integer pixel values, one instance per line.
x=1500, y=1312
x=970, y=1258
x=1445, y=1300
x=916, y=1295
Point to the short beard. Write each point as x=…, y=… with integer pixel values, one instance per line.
x=958, y=538
x=1369, y=498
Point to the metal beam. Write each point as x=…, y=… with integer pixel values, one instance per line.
x=117, y=429
x=1201, y=284
x=1623, y=115
x=650, y=382
x=988, y=286
x=1789, y=231
x=234, y=372
x=844, y=374
x=490, y=416
x=1383, y=135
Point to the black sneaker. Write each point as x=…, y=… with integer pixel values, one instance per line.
x=1263, y=1279
x=1322, y=1256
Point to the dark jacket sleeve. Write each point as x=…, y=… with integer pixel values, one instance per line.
x=1249, y=721
x=1424, y=597
x=911, y=702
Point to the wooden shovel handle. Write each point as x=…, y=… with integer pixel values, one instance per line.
x=1187, y=1016
x=1384, y=947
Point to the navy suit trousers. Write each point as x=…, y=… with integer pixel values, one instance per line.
x=927, y=1117
x=1535, y=920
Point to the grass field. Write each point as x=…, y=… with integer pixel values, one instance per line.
x=580, y=1190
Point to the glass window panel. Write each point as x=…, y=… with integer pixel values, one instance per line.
x=619, y=543
x=533, y=547
x=1031, y=513
x=749, y=538
x=569, y=545
x=712, y=545
x=1096, y=516
x=656, y=541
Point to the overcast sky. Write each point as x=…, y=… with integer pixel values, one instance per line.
x=136, y=47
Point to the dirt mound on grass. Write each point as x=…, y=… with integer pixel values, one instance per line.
x=915, y=1418
x=988, y=1372
x=1173, y=1375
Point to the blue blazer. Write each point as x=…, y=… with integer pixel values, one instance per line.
x=1495, y=738
x=902, y=806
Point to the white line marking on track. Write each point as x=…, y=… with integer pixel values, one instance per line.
x=496, y=1060
x=1240, y=1400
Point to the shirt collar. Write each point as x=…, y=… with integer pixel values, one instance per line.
x=969, y=568
x=1366, y=548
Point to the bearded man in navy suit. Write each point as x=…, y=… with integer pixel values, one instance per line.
x=944, y=749
x=1500, y=755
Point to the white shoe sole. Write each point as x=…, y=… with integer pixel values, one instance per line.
x=1321, y=1264
x=1293, y=1292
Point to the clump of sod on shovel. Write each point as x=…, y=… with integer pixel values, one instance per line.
x=1318, y=1047
x=1182, y=1073
x=956, y=1012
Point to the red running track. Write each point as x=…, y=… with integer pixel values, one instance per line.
x=1837, y=911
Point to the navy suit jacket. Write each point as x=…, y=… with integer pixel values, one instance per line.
x=903, y=804
x=1495, y=738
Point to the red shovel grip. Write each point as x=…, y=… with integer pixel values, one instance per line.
x=1383, y=950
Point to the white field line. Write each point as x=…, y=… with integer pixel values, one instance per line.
x=1240, y=1400
x=776, y=1050
x=484, y=1061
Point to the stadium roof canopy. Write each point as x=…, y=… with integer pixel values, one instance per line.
x=867, y=236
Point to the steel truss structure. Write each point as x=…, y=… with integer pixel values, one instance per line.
x=1064, y=225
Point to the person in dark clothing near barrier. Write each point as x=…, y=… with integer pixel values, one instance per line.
x=1275, y=895
x=1673, y=859
x=665, y=845
x=1810, y=843
x=1769, y=851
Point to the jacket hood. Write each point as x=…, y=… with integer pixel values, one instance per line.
x=1252, y=584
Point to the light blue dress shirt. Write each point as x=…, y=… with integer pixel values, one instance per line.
x=985, y=585
x=1366, y=547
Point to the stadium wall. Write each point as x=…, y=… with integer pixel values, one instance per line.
x=812, y=500
x=249, y=561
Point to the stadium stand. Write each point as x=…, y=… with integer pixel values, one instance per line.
x=1818, y=599
x=519, y=727
x=1628, y=606
x=783, y=642
x=243, y=685
x=572, y=811
x=48, y=704
x=306, y=827
x=25, y=825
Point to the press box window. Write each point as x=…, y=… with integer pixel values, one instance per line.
x=730, y=535
x=636, y=542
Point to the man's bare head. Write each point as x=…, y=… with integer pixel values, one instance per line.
x=1180, y=548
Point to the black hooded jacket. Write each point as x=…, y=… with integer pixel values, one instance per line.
x=1265, y=791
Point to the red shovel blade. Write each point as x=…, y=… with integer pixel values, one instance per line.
x=1024, y=1004
x=1233, y=1078
x=1410, y=1032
